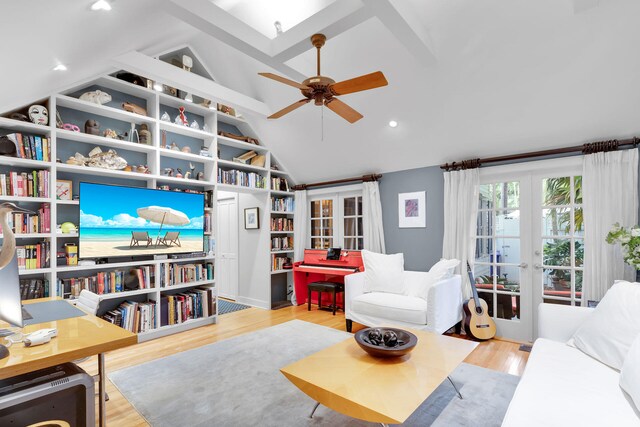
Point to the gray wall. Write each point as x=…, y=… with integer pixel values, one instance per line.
x=422, y=247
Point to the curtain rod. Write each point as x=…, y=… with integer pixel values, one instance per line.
x=588, y=148
x=364, y=178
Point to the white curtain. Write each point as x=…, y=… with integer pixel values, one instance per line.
x=610, y=195
x=299, y=229
x=372, y=217
x=460, y=219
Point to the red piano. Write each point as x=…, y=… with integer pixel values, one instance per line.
x=316, y=267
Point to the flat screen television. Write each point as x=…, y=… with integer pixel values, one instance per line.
x=119, y=221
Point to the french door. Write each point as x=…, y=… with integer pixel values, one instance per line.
x=529, y=242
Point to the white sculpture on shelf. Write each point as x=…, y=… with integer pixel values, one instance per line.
x=8, y=250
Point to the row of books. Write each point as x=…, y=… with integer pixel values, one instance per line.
x=281, y=243
x=25, y=184
x=241, y=178
x=209, y=244
x=32, y=147
x=34, y=288
x=282, y=204
x=31, y=257
x=281, y=224
x=194, y=304
x=107, y=282
x=208, y=198
x=175, y=274
x=279, y=184
x=278, y=262
x=23, y=223
x=133, y=316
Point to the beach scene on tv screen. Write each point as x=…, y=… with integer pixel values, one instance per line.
x=123, y=221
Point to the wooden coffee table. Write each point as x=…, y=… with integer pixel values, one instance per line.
x=346, y=379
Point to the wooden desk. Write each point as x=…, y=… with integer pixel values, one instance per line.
x=78, y=337
x=346, y=379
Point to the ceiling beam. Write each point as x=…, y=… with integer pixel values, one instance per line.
x=171, y=75
x=331, y=21
x=403, y=23
x=218, y=23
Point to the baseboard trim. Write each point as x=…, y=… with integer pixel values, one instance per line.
x=254, y=302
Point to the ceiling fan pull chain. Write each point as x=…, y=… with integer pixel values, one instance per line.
x=322, y=124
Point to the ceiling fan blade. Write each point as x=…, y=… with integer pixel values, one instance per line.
x=284, y=80
x=343, y=110
x=358, y=84
x=289, y=109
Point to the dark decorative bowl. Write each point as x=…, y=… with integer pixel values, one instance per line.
x=406, y=341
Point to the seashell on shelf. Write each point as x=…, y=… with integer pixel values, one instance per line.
x=108, y=160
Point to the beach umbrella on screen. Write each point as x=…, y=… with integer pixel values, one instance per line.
x=163, y=215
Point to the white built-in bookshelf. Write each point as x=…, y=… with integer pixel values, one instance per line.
x=157, y=157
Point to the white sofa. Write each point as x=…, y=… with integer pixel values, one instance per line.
x=562, y=386
x=441, y=310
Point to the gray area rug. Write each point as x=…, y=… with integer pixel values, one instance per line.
x=225, y=306
x=237, y=382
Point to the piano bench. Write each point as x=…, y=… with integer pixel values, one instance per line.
x=321, y=287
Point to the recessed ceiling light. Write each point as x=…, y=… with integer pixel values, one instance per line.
x=60, y=67
x=101, y=5
x=393, y=123
x=157, y=86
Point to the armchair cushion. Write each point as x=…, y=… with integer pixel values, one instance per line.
x=383, y=273
x=607, y=334
x=393, y=307
x=443, y=269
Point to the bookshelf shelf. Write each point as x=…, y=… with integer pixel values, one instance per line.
x=240, y=166
x=282, y=193
x=66, y=235
x=126, y=87
x=24, y=163
x=101, y=110
x=103, y=141
x=165, y=152
x=103, y=172
x=26, y=127
x=107, y=266
x=185, y=130
x=33, y=271
x=240, y=189
x=230, y=142
x=183, y=181
x=25, y=199
x=284, y=251
x=187, y=285
x=281, y=213
x=278, y=173
x=68, y=202
x=30, y=236
x=125, y=294
x=280, y=271
x=231, y=120
x=281, y=232
x=189, y=107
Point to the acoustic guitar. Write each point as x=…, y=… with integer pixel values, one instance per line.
x=477, y=322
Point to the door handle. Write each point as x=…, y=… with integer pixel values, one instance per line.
x=537, y=266
x=523, y=265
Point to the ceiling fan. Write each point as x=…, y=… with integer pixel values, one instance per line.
x=324, y=90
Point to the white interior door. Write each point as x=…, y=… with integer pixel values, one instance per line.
x=227, y=243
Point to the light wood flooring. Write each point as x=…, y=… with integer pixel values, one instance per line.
x=498, y=355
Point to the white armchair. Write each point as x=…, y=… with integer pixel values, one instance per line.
x=441, y=310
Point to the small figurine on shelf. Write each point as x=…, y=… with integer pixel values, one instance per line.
x=144, y=136
x=195, y=125
x=191, y=171
x=168, y=171
x=142, y=169
x=96, y=97
x=181, y=118
x=200, y=176
x=174, y=146
x=165, y=117
x=163, y=141
x=179, y=173
x=186, y=149
x=92, y=127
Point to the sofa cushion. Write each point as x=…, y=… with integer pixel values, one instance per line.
x=561, y=386
x=383, y=273
x=417, y=283
x=443, y=269
x=608, y=333
x=391, y=306
x=630, y=373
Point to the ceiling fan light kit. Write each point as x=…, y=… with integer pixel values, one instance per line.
x=324, y=90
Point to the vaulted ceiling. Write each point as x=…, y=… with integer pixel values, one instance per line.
x=467, y=78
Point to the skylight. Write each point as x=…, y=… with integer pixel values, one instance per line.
x=261, y=15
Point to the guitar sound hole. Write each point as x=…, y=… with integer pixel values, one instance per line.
x=479, y=310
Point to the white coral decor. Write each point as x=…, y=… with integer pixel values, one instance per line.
x=629, y=239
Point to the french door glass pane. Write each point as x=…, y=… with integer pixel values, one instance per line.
x=556, y=191
x=327, y=208
x=484, y=227
x=556, y=221
x=557, y=252
x=508, y=250
x=507, y=194
x=350, y=243
x=508, y=223
x=315, y=209
x=360, y=243
x=508, y=279
x=349, y=227
x=577, y=185
x=350, y=206
x=484, y=250
x=486, y=197
x=359, y=205
x=315, y=227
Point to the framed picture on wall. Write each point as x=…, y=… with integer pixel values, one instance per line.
x=412, y=210
x=251, y=218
